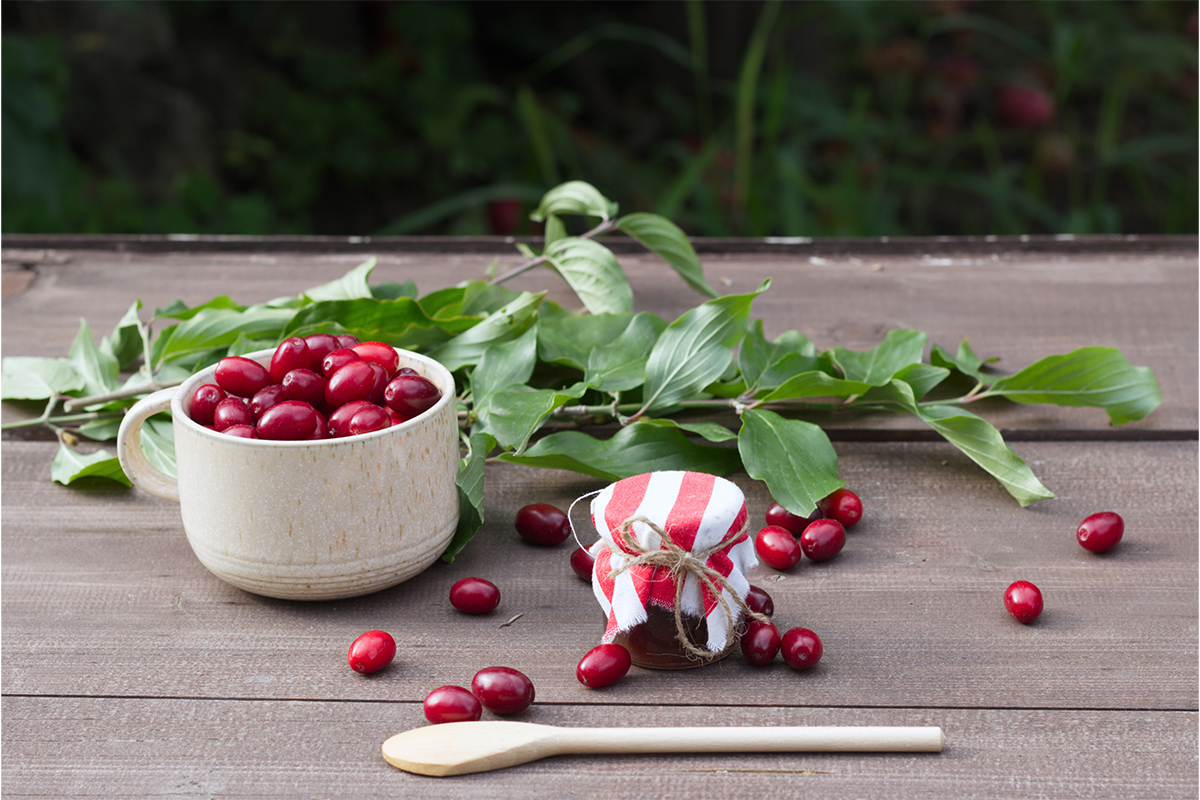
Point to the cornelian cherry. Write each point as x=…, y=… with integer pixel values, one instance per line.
x=844, y=506
x=411, y=395
x=452, y=704
x=1024, y=601
x=382, y=354
x=204, y=402
x=760, y=642
x=758, y=601
x=542, y=524
x=1100, y=533
x=603, y=665
x=582, y=564
x=794, y=524
x=291, y=354
x=777, y=547
x=823, y=539
x=371, y=652
x=503, y=690
x=801, y=648
x=231, y=411
x=474, y=596
x=241, y=376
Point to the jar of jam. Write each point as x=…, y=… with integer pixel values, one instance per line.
x=672, y=544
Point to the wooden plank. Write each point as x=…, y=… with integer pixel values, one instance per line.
x=83, y=747
x=101, y=596
x=1018, y=307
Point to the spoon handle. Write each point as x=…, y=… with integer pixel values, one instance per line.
x=864, y=739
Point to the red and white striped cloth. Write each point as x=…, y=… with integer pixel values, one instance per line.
x=698, y=511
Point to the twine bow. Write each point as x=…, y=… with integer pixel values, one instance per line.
x=680, y=563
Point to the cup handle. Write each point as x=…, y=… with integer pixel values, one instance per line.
x=145, y=476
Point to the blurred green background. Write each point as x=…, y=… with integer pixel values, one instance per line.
x=731, y=118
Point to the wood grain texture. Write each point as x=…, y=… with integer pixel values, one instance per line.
x=910, y=612
x=1018, y=307
x=192, y=749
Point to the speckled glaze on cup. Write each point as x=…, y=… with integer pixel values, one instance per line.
x=312, y=520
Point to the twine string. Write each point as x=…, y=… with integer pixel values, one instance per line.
x=680, y=563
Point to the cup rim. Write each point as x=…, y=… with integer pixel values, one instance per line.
x=207, y=375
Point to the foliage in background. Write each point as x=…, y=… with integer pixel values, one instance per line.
x=789, y=119
x=521, y=361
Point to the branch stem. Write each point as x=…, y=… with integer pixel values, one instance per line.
x=604, y=227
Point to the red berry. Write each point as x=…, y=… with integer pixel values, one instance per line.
x=801, y=648
x=582, y=563
x=452, y=704
x=794, y=524
x=304, y=384
x=319, y=346
x=844, y=506
x=241, y=376
x=1021, y=106
x=231, y=411
x=265, y=398
x=291, y=354
x=503, y=690
x=777, y=547
x=823, y=539
x=289, y=420
x=1100, y=533
x=347, y=340
x=339, y=420
x=336, y=360
x=760, y=602
x=241, y=431
x=603, y=665
x=1024, y=601
x=368, y=419
x=322, y=429
x=204, y=402
x=351, y=382
x=380, y=384
x=542, y=524
x=371, y=652
x=382, y=354
x=411, y=395
x=760, y=642
x=474, y=596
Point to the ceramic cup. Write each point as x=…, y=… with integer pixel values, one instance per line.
x=308, y=520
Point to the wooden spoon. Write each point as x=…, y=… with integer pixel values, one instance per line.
x=458, y=748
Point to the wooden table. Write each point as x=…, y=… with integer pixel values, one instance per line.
x=129, y=670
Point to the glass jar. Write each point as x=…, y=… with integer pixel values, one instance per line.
x=654, y=644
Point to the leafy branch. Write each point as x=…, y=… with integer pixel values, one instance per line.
x=521, y=361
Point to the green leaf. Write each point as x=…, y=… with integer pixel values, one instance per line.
x=767, y=365
x=794, y=458
x=895, y=392
x=98, y=369
x=965, y=362
x=470, y=495
x=443, y=303
x=351, y=286
x=922, y=378
x=574, y=197
x=158, y=442
x=402, y=322
x=635, y=449
x=1089, y=376
x=670, y=243
x=215, y=328
x=178, y=310
x=555, y=230
x=570, y=339
x=390, y=290
x=504, y=364
x=694, y=350
x=984, y=445
x=877, y=365
x=621, y=365
x=508, y=323
x=125, y=343
x=481, y=298
x=816, y=384
x=592, y=271
x=516, y=412
x=711, y=431
x=70, y=465
x=35, y=378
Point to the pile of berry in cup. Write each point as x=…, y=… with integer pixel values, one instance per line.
x=316, y=387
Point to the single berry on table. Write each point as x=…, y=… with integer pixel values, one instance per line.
x=777, y=547
x=452, y=704
x=371, y=652
x=582, y=563
x=603, y=665
x=844, y=506
x=758, y=601
x=795, y=524
x=1024, y=601
x=823, y=539
x=503, y=690
x=760, y=642
x=542, y=524
x=474, y=596
x=1100, y=533
x=801, y=648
